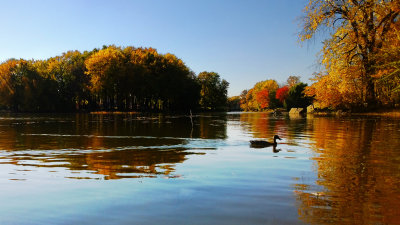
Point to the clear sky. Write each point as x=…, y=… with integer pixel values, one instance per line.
x=245, y=41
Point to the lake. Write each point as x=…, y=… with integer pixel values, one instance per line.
x=164, y=169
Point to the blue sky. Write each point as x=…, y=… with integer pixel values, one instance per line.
x=244, y=41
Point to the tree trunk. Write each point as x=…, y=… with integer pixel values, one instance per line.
x=370, y=94
x=369, y=97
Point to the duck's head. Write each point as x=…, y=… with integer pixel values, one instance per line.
x=277, y=137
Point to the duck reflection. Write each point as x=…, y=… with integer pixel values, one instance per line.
x=276, y=150
x=265, y=144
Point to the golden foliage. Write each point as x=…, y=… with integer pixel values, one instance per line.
x=360, y=31
x=102, y=66
x=6, y=89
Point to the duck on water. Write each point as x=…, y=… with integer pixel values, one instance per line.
x=264, y=144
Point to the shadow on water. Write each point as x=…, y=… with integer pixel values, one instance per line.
x=112, y=146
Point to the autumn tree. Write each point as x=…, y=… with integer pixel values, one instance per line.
x=243, y=100
x=388, y=69
x=111, y=78
x=260, y=97
x=329, y=91
x=282, y=93
x=7, y=86
x=104, y=68
x=251, y=101
x=358, y=31
x=68, y=73
x=141, y=79
x=23, y=89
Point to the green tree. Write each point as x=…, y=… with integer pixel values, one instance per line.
x=234, y=103
x=273, y=101
x=214, y=91
x=296, y=97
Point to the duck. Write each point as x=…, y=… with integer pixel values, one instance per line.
x=263, y=144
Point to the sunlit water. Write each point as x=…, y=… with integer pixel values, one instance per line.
x=159, y=169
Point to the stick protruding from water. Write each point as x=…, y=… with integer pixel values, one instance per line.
x=191, y=117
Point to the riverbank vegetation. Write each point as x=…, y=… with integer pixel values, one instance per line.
x=361, y=55
x=108, y=79
x=268, y=94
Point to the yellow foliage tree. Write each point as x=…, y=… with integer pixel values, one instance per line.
x=359, y=30
x=104, y=67
x=6, y=86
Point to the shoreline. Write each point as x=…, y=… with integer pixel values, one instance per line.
x=382, y=112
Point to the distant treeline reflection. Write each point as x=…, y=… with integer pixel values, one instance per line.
x=107, y=146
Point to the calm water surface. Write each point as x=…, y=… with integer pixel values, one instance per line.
x=159, y=169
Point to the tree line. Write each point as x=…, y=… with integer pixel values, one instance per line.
x=360, y=57
x=269, y=94
x=111, y=78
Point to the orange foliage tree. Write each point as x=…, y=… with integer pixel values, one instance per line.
x=262, y=98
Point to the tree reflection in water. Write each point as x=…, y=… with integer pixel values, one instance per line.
x=357, y=163
x=344, y=170
x=112, y=146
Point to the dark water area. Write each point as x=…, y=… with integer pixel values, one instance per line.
x=161, y=169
